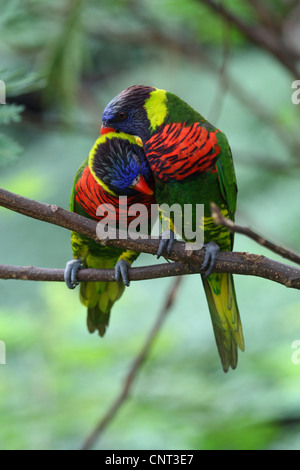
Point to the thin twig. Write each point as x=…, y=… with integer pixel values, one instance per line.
x=223, y=81
x=134, y=369
x=279, y=250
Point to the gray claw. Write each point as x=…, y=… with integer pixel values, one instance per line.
x=166, y=241
x=122, y=272
x=210, y=257
x=71, y=271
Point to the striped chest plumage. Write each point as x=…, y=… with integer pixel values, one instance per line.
x=183, y=160
x=176, y=151
x=89, y=195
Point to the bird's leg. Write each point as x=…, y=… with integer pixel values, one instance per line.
x=166, y=241
x=210, y=257
x=70, y=274
x=122, y=272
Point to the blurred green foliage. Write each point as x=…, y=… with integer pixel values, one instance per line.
x=9, y=149
x=62, y=61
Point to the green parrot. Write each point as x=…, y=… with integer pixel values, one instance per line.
x=116, y=166
x=191, y=163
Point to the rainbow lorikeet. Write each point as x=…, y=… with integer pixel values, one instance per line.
x=116, y=167
x=192, y=164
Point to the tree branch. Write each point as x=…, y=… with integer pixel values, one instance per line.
x=31, y=273
x=232, y=262
x=279, y=250
x=261, y=36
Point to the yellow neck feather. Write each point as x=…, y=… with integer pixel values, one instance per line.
x=156, y=108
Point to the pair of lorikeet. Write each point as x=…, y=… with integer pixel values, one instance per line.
x=155, y=148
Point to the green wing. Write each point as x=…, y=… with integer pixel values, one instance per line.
x=219, y=288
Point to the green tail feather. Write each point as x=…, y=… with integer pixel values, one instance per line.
x=221, y=298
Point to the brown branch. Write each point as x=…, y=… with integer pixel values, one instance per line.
x=134, y=369
x=279, y=250
x=232, y=262
x=157, y=271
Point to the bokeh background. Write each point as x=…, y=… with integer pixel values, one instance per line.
x=62, y=61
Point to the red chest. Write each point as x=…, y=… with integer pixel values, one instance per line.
x=98, y=203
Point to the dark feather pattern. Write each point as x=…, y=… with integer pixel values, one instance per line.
x=135, y=95
x=176, y=151
x=117, y=163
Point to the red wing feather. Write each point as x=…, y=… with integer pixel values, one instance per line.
x=176, y=151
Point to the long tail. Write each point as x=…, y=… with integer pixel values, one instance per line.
x=221, y=298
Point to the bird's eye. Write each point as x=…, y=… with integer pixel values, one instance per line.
x=121, y=115
x=135, y=181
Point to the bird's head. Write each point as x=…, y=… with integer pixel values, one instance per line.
x=118, y=163
x=138, y=110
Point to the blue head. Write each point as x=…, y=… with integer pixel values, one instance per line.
x=127, y=113
x=118, y=163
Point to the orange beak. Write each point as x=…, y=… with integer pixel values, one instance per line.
x=106, y=130
x=142, y=186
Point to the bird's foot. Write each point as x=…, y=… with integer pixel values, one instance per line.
x=122, y=272
x=210, y=257
x=71, y=271
x=166, y=241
